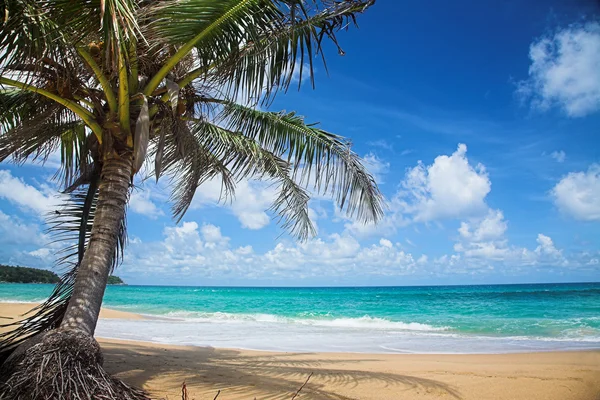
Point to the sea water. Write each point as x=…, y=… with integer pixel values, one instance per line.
x=426, y=319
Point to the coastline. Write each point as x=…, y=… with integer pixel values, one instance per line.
x=245, y=374
x=16, y=309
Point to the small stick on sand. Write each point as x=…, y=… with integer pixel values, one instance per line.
x=304, y=384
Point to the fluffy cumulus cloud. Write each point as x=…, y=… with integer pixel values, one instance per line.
x=25, y=196
x=16, y=232
x=451, y=187
x=578, y=194
x=251, y=201
x=203, y=251
x=491, y=227
x=185, y=250
x=24, y=243
x=141, y=203
x=483, y=237
x=546, y=247
x=482, y=243
x=565, y=71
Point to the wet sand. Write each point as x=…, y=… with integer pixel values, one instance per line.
x=243, y=374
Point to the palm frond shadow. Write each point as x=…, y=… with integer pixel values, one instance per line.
x=268, y=377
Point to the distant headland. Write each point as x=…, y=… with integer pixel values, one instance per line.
x=17, y=274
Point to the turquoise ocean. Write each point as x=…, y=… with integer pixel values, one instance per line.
x=427, y=319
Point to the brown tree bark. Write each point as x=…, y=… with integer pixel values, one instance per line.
x=92, y=275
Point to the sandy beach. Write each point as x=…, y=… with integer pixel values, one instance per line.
x=242, y=374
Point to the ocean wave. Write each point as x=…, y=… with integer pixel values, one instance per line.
x=365, y=322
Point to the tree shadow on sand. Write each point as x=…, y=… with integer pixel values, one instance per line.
x=268, y=376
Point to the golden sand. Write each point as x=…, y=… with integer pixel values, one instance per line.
x=244, y=375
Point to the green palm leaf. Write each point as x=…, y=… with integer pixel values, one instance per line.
x=75, y=77
x=246, y=158
x=262, y=66
x=319, y=158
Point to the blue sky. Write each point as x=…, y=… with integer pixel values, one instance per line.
x=479, y=120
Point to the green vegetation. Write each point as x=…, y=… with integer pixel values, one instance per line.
x=10, y=274
x=183, y=86
x=26, y=275
x=115, y=280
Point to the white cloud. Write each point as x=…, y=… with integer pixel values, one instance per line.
x=203, y=251
x=16, y=232
x=491, y=227
x=484, y=237
x=578, y=194
x=565, y=71
x=482, y=242
x=391, y=221
x=449, y=188
x=376, y=166
x=140, y=203
x=212, y=235
x=386, y=243
x=546, y=247
x=191, y=250
x=252, y=199
x=43, y=253
x=296, y=73
x=340, y=255
x=25, y=196
x=559, y=156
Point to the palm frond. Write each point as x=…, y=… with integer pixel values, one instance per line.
x=27, y=32
x=186, y=161
x=319, y=158
x=35, y=129
x=212, y=28
x=177, y=22
x=36, y=135
x=34, y=29
x=259, y=68
x=72, y=226
x=119, y=25
x=246, y=158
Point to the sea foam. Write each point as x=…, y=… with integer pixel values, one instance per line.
x=365, y=322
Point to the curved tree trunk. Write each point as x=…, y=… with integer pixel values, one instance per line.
x=92, y=275
x=66, y=363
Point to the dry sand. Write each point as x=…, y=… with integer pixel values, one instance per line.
x=241, y=374
x=14, y=310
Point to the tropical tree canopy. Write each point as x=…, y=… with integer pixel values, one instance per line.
x=176, y=82
x=173, y=88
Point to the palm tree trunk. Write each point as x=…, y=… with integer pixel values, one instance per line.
x=92, y=275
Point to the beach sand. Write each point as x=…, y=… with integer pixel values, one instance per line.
x=14, y=310
x=244, y=375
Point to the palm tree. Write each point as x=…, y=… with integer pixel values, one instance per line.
x=163, y=88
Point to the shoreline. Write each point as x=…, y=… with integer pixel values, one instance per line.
x=355, y=353
x=245, y=374
x=114, y=317
x=18, y=308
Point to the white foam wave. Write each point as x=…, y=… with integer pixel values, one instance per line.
x=256, y=335
x=365, y=322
